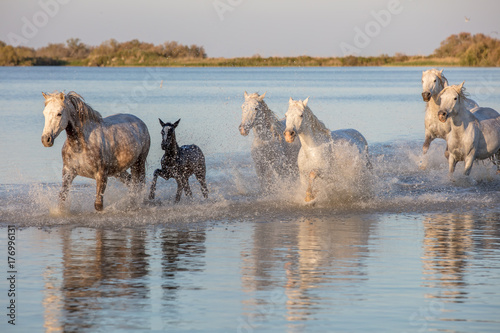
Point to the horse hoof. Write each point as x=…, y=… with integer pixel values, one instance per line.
x=98, y=206
x=310, y=202
x=309, y=197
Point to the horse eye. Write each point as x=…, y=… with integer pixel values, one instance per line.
x=434, y=80
x=455, y=98
x=59, y=114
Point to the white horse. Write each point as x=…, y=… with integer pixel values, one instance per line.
x=274, y=159
x=433, y=82
x=95, y=147
x=320, y=146
x=472, y=136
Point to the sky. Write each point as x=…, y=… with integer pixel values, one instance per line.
x=234, y=28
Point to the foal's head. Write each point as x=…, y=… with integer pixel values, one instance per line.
x=168, y=134
x=250, y=108
x=433, y=81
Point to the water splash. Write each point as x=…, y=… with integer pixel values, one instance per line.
x=395, y=184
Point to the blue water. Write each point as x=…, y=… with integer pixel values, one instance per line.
x=421, y=255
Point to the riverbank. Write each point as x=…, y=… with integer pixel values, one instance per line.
x=301, y=61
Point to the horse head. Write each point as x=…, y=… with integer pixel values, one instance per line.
x=168, y=134
x=250, y=109
x=56, y=116
x=294, y=118
x=450, y=100
x=433, y=82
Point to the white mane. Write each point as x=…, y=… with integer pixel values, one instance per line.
x=275, y=126
x=316, y=124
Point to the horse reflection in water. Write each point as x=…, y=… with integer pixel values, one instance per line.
x=275, y=161
x=95, y=147
x=324, y=153
x=302, y=258
x=179, y=163
x=101, y=270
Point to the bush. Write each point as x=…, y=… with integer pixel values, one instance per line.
x=472, y=50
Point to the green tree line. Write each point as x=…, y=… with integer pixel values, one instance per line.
x=462, y=49
x=109, y=53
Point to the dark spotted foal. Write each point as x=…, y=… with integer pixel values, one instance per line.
x=179, y=163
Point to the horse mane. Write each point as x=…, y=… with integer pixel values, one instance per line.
x=84, y=111
x=463, y=94
x=276, y=127
x=316, y=124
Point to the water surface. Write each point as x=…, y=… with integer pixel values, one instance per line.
x=420, y=254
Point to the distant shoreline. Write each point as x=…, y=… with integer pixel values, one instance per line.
x=462, y=50
x=303, y=61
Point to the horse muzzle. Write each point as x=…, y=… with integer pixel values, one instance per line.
x=289, y=136
x=243, y=130
x=426, y=96
x=443, y=116
x=48, y=140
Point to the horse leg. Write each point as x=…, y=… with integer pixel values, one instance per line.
x=187, y=189
x=67, y=179
x=101, y=180
x=425, y=148
x=446, y=152
x=180, y=187
x=125, y=177
x=469, y=160
x=138, y=171
x=200, y=176
x=158, y=172
x=310, y=192
x=496, y=161
x=427, y=143
x=452, y=162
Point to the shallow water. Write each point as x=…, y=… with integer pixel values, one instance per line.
x=419, y=253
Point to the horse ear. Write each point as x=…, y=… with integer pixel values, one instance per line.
x=245, y=95
x=305, y=101
x=261, y=97
x=176, y=123
x=290, y=100
x=439, y=74
x=45, y=95
x=61, y=96
x=161, y=123
x=460, y=87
